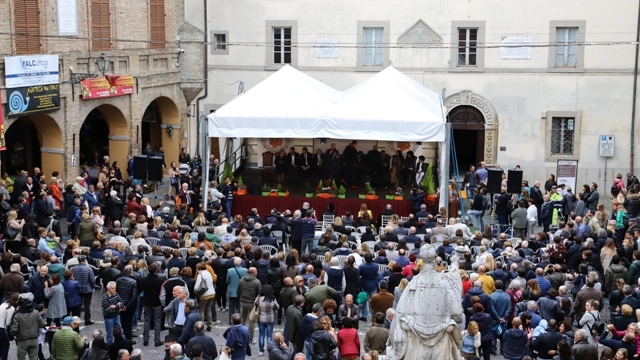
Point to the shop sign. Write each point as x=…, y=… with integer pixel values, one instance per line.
x=107, y=86
x=32, y=99
x=30, y=70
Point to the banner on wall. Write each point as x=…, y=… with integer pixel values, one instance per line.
x=567, y=173
x=3, y=144
x=31, y=70
x=25, y=100
x=107, y=86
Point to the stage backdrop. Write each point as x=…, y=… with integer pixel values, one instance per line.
x=243, y=204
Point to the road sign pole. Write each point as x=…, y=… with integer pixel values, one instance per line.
x=605, y=176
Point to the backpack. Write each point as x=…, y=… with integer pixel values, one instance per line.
x=614, y=189
x=598, y=326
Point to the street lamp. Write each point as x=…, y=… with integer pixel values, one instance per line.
x=103, y=63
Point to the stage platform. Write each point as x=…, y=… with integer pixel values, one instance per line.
x=243, y=204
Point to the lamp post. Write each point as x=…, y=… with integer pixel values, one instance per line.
x=103, y=63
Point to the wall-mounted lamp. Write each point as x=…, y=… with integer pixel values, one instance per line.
x=103, y=63
x=323, y=141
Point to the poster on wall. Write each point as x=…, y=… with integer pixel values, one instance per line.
x=516, y=47
x=326, y=48
x=3, y=144
x=567, y=173
x=25, y=100
x=107, y=86
x=68, y=17
x=31, y=70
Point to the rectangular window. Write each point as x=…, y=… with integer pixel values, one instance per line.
x=282, y=45
x=467, y=46
x=562, y=135
x=100, y=25
x=156, y=21
x=220, y=42
x=27, y=26
x=373, y=46
x=566, y=46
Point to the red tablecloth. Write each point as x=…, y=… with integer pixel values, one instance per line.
x=243, y=204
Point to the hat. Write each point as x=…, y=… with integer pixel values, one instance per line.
x=82, y=258
x=67, y=320
x=629, y=174
x=170, y=338
x=173, y=271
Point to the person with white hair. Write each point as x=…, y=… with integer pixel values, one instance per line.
x=127, y=289
x=175, y=352
x=12, y=282
x=114, y=207
x=111, y=307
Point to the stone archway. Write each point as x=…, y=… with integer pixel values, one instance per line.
x=115, y=139
x=469, y=98
x=169, y=116
x=33, y=141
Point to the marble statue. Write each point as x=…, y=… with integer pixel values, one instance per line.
x=425, y=325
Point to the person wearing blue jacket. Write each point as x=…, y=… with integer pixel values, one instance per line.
x=308, y=232
x=542, y=281
x=234, y=275
x=369, y=278
x=237, y=337
x=515, y=341
x=72, y=289
x=484, y=324
x=500, y=311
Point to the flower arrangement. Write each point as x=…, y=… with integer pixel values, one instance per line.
x=326, y=189
x=399, y=191
x=170, y=130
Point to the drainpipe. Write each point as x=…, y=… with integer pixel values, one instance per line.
x=201, y=147
x=635, y=91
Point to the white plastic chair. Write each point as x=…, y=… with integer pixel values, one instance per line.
x=385, y=220
x=271, y=249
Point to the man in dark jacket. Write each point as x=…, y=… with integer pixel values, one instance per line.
x=476, y=290
x=549, y=307
x=36, y=284
x=127, y=288
x=546, y=344
x=582, y=349
x=307, y=324
x=249, y=288
x=209, y=349
x=295, y=231
x=287, y=294
x=294, y=331
x=151, y=287
x=237, y=338
x=25, y=327
x=83, y=274
x=267, y=239
x=191, y=318
x=515, y=341
x=278, y=348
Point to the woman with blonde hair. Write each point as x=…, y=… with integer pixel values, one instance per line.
x=14, y=243
x=490, y=263
x=326, y=262
x=244, y=237
x=86, y=230
x=97, y=219
x=187, y=240
x=471, y=341
x=601, y=215
x=466, y=282
x=364, y=249
x=534, y=290
x=397, y=292
x=142, y=223
x=394, y=222
x=606, y=254
x=200, y=220
x=205, y=301
x=364, y=209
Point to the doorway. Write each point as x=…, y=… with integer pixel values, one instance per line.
x=468, y=136
x=151, y=129
x=23, y=147
x=94, y=139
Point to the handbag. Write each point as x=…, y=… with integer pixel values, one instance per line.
x=10, y=233
x=224, y=356
x=254, y=315
x=362, y=297
x=203, y=288
x=498, y=329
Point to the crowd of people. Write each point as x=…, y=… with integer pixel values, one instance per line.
x=525, y=293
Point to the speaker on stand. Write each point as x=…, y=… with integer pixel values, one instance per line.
x=140, y=167
x=494, y=181
x=514, y=182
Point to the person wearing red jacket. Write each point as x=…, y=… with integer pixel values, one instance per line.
x=348, y=341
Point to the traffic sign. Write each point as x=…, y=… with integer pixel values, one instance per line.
x=607, y=145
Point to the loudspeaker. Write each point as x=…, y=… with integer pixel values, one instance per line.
x=140, y=167
x=254, y=189
x=514, y=182
x=494, y=181
x=154, y=168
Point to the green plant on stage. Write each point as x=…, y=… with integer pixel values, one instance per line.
x=307, y=188
x=427, y=181
x=370, y=189
x=280, y=188
x=320, y=183
x=341, y=190
x=240, y=183
x=227, y=172
x=265, y=188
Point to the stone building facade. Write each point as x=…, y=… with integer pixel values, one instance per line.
x=566, y=80
x=141, y=39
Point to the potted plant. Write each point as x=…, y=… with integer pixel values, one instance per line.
x=265, y=190
x=242, y=188
x=326, y=189
x=274, y=190
x=428, y=184
x=371, y=193
x=227, y=172
x=281, y=190
x=342, y=192
x=307, y=190
x=398, y=194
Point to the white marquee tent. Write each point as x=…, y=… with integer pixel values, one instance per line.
x=289, y=104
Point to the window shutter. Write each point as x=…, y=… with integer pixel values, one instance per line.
x=100, y=25
x=156, y=22
x=27, y=26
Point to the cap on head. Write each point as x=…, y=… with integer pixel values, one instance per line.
x=67, y=320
